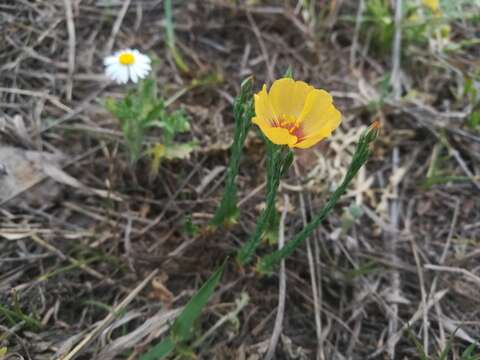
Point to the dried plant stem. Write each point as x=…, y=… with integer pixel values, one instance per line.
x=413, y=319
x=314, y=273
x=358, y=23
x=116, y=26
x=71, y=47
x=109, y=318
x=391, y=247
x=282, y=291
x=241, y=303
x=73, y=261
x=396, y=54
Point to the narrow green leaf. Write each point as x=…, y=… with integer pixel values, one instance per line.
x=160, y=351
x=420, y=349
x=170, y=35
x=182, y=326
x=16, y=316
x=446, y=351
x=468, y=353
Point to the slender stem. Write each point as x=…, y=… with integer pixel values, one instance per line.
x=273, y=259
x=278, y=157
x=243, y=113
x=360, y=156
x=170, y=35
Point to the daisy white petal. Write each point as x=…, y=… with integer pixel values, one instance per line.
x=122, y=74
x=133, y=74
x=110, y=60
x=144, y=59
x=127, y=64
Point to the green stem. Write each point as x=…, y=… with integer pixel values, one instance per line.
x=360, y=156
x=170, y=35
x=243, y=113
x=279, y=159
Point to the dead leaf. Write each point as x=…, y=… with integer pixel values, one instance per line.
x=160, y=291
x=61, y=176
x=23, y=174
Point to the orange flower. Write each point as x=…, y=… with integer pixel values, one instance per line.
x=296, y=114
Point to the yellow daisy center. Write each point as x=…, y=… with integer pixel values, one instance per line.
x=126, y=58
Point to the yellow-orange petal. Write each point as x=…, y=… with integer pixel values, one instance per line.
x=263, y=107
x=288, y=97
x=276, y=135
x=309, y=142
x=319, y=112
x=324, y=133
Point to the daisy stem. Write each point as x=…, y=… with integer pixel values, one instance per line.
x=279, y=159
x=362, y=152
x=243, y=112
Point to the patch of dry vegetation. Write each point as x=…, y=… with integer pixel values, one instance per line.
x=96, y=260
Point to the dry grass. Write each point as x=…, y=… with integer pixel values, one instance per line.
x=80, y=232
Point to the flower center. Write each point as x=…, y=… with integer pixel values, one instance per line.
x=126, y=58
x=289, y=123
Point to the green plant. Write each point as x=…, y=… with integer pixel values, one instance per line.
x=142, y=109
x=467, y=354
x=379, y=25
x=471, y=92
x=189, y=227
x=16, y=315
x=181, y=330
x=279, y=159
x=362, y=152
x=171, y=124
x=440, y=170
x=378, y=20
x=227, y=212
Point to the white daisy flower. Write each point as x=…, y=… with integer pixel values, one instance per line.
x=128, y=64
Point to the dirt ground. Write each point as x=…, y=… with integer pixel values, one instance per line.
x=395, y=267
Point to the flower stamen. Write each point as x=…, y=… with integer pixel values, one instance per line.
x=291, y=125
x=126, y=58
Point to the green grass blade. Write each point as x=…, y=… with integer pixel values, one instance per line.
x=170, y=34
x=18, y=315
x=468, y=353
x=446, y=351
x=182, y=326
x=160, y=351
x=418, y=346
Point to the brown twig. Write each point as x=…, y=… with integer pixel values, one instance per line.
x=109, y=318
x=71, y=47
x=282, y=291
